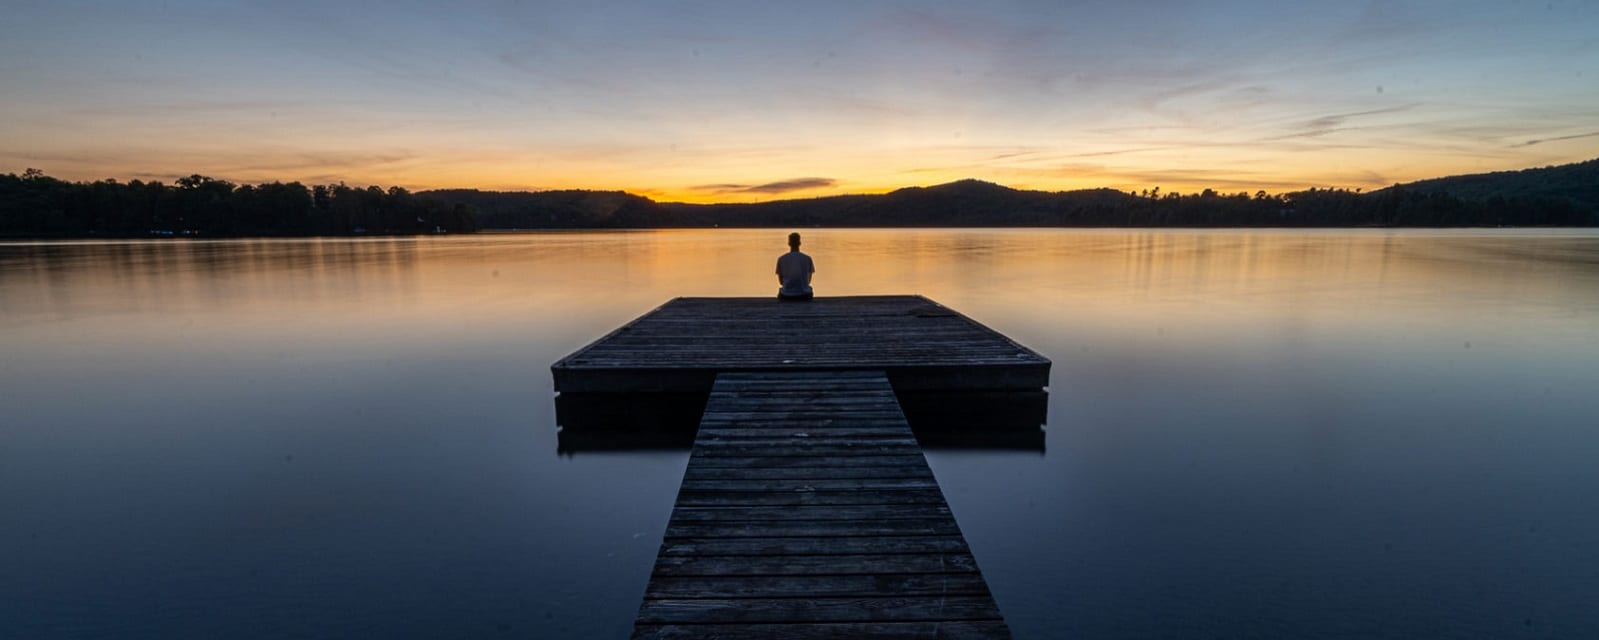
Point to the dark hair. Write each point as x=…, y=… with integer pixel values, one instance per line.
x=793, y=239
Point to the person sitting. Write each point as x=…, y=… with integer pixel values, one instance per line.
x=794, y=271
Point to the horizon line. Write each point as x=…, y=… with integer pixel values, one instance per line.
x=661, y=197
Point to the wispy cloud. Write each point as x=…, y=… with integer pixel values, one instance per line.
x=781, y=186
x=300, y=162
x=1338, y=119
x=1576, y=136
x=1332, y=123
x=1118, y=152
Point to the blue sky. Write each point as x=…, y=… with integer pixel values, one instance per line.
x=737, y=101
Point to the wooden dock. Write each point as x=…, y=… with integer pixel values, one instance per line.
x=808, y=511
x=920, y=344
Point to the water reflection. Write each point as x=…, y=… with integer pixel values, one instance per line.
x=994, y=421
x=76, y=280
x=627, y=421
x=644, y=421
x=1253, y=433
x=1117, y=270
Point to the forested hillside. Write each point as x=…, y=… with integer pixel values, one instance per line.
x=36, y=205
x=33, y=204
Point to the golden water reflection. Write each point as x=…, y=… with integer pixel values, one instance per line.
x=1023, y=280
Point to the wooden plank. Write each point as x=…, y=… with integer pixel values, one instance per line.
x=867, y=407
x=941, y=630
x=799, y=565
x=823, y=586
x=765, y=397
x=738, y=417
x=806, y=461
x=762, y=400
x=756, y=401
x=800, y=546
x=799, y=498
x=857, y=609
x=964, y=377
x=716, y=443
x=787, y=528
x=801, y=486
x=806, y=473
x=781, y=422
x=798, y=431
x=785, y=386
x=701, y=358
x=796, y=417
x=745, y=513
x=791, y=449
x=918, y=344
x=711, y=332
x=878, y=351
x=733, y=436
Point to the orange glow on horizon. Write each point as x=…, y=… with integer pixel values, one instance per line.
x=681, y=184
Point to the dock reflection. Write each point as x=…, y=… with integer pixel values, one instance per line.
x=627, y=421
x=1008, y=420
x=995, y=420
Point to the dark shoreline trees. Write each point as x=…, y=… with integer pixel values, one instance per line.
x=973, y=204
x=36, y=205
x=1566, y=195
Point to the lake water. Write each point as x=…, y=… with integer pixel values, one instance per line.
x=1251, y=434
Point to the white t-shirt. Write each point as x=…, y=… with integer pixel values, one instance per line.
x=794, y=270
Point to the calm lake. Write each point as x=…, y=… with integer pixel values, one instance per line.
x=1251, y=434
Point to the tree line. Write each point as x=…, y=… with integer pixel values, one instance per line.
x=34, y=204
x=973, y=203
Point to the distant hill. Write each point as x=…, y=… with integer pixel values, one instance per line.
x=966, y=203
x=36, y=205
x=1566, y=195
x=566, y=209
x=957, y=204
x=1577, y=183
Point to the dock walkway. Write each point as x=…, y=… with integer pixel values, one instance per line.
x=808, y=511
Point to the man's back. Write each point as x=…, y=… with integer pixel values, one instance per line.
x=794, y=271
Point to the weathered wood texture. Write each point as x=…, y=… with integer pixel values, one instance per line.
x=808, y=511
x=683, y=344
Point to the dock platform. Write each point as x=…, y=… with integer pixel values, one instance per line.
x=682, y=345
x=808, y=511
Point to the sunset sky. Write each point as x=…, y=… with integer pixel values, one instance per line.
x=735, y=101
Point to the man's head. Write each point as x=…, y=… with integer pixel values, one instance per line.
x=793, y=241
